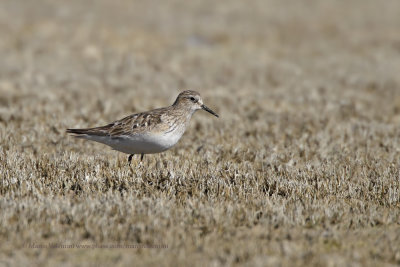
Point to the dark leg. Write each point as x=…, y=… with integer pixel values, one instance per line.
x=130, y=158
x=141, y=157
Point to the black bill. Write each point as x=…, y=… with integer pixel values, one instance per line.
x=209, y=110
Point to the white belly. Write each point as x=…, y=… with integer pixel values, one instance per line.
x=140, y=143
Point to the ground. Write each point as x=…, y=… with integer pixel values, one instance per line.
x=302, y=167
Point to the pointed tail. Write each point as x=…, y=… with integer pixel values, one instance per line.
x=97, y=131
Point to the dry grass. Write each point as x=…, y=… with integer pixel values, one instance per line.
x=301, y=169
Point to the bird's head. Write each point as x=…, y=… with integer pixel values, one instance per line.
x=193, y=101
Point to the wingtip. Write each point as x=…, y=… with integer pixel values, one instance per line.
x=75, y=131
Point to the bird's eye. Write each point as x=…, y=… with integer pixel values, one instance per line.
x=193, y=99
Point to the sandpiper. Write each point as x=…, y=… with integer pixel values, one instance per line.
x=148, y=132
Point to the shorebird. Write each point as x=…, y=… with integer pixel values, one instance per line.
x=148, y=132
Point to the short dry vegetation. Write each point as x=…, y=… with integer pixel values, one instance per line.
x=302, y=168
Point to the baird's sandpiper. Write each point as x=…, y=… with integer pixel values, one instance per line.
x=148, y=132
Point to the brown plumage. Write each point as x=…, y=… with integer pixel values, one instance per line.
x=147, y=132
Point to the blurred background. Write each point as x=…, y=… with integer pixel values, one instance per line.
x=99, y=58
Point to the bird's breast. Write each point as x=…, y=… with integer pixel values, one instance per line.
x=152, y=142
